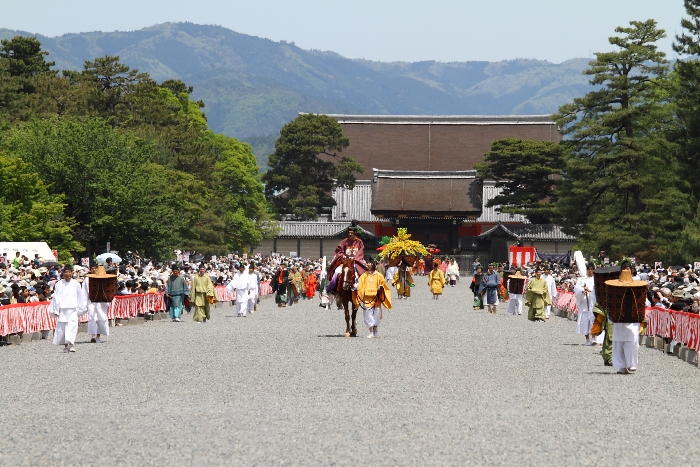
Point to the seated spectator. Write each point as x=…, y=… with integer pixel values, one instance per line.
x=23, y=295
x=33, y=298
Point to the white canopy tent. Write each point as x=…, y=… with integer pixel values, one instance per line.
x=29, y=249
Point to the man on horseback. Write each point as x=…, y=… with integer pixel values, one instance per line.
x=351, y=247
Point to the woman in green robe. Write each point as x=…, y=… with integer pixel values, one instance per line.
x=537, y=297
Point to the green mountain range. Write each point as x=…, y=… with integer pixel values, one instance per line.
x=252, y=86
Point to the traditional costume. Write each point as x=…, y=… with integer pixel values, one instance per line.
x=537, y=298
x=516, y=287
x=68, y=302
x=585, y=302
x=403, y=282
x=203, y=295
x=175, y=291
x=453, y=273
x=254, y=288
x=421, y=266
x=239, y=286
x=104, y=288
x=372, y=292
x=355, y=249
x=502, y=289
x=310, y=282
x=600, y=310
x=295, y=287
x=279, y=284
x=489, y=289
x=626, y=303
x=552, y=289
x=475, y=286
x=436, y=282
x=390, y=273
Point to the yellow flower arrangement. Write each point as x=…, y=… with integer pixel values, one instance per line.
x=401, y=244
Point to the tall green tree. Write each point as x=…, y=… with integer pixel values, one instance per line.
x=28, y=212
x=111, y=188
x=525, y=172
x=686, y=100
x=300, y=182
x=244, y=209
x=621, y=191
x=22, y=62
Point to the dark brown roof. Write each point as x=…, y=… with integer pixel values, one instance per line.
x=426, y=193
x=401, y=142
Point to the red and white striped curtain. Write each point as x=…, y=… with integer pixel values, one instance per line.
x=521, y=255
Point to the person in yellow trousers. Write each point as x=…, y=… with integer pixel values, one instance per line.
x=436, y=281
x=372, y=292
x=202, y=294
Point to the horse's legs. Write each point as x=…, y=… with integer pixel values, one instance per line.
x=347, y=319
x=353, y=332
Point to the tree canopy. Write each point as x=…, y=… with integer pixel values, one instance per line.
x=299, y=182
x=124, y=159
x=628, y=179
x=524, y=170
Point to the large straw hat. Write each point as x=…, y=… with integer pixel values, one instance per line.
x=517, y=275
x=101, y=273
x=626, y=280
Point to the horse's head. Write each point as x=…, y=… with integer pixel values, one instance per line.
x=348, y=265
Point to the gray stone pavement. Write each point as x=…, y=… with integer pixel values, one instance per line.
x=443, y=385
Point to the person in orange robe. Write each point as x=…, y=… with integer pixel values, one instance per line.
x=311, y=283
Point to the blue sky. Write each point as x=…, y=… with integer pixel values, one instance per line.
x=385, y=30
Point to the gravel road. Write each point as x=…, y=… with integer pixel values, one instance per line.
x=442, y=385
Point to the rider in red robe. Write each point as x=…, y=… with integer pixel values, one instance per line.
x=352, y=247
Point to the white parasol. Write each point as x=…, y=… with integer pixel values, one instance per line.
x=102, y=259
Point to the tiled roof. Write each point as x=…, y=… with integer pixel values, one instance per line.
x=290, y=229
x=355, y=203
x=531, y=232
x=445, y=119
x=314, y=229
x=491, y=215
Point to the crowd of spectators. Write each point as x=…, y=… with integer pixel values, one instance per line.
x=23, y=280
x=673, y=287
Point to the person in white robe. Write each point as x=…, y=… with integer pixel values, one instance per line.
x=551, y=286
x=584, y=292
x=69, y=301
x=253, y=288
x=390, y=271
x=98, y=323
x=515, y=300
x=625, y=347
x=239, y=287
x=453, y=272
x=625, y=340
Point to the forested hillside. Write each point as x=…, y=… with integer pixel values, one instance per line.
x=252, y=86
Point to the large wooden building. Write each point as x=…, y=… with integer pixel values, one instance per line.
x=419, y=173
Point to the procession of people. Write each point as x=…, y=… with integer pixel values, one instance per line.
x=190, y=287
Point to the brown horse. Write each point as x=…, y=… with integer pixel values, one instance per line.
x=345, y=284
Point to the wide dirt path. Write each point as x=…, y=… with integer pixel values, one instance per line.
x=442, y=385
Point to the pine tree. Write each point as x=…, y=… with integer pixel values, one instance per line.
x=621, y=191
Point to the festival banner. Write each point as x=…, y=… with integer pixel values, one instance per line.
x=519, y=256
